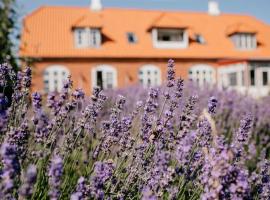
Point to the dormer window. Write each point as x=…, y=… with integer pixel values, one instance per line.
x=200, y=39
x=170, y=38
x=244, y=41
x=132, y=38
x=87, y=37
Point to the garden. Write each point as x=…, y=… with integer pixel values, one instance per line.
x=177, y=141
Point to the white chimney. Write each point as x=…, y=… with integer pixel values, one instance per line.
x=96, y=5
x=213, y=8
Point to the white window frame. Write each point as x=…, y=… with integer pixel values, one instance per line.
x=105, y=69
x=52, y=74
x=169, y=44
x=202, y=74
x=149, y=72
x=91, y=37
x=244, y=41
x=225, y=71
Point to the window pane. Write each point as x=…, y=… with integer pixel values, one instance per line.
x=232, y=79
x=252, y=77
x=109, y=81
x=170, y=35
x=265, y=78
x=244, y=40
x=95, y=37
x=99, y=79
x=131, y=37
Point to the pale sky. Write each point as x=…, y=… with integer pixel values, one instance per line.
x=258, y=8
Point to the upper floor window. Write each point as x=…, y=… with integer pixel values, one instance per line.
x=105, y=77
x=54, y=77
x=132, y=38
x=149, y=76
x=244, y=41
x=202, y=74
x=170, y=38
x=87, y=37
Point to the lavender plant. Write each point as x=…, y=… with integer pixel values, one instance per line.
x=177, y=141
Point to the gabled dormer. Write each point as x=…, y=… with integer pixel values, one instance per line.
x=87, y=31
x=169, y=32
x=243, y=36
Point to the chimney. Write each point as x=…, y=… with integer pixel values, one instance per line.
x=213, y=8
x=96, y=5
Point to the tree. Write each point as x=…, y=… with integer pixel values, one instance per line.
x=8, y=19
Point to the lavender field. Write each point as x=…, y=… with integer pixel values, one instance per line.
x=173, y=142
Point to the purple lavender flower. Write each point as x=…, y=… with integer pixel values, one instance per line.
x=26, y=190
x=170, y=73
x=147, y=194
x=179, y=88
x=78, y=94
x=27, y=77
x=149, y=109
x=187, y=117
x=3, y=113
x=103, y=171
x=55, y=174
x=264, y=179
x=82, y=190
x=242, y=136
x=160, y=173
x=204, y=133
x=10, y=170
x=212, y=104
x=37, y=100
x=222, y=180
x=19, y=138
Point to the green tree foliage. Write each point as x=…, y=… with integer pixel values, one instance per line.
x=8, y=38
x=8, y=19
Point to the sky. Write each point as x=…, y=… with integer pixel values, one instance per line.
x=258, y=8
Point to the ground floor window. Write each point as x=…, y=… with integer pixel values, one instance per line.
x=252, y=77
x=232, y=77
x=149, y=76
x=54, y=77
x=104, y=76
x=265, y=78
x=201, y=74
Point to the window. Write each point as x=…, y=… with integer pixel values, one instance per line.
x=265, y=78
x=170, y=38
x=94, y=38
x=232, y=77
x=165, y=35
x=252, y=77
x=149, y=76
x=244, y=41
x=131, y=37
x=87, y=37
x=201, y=74
x=54, y=77
x=200, y=39
x=105, y=77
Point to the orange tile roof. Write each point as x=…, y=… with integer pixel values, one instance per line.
x=168, y=20
x=90, y=19
x=47, y=32
x=240, y=28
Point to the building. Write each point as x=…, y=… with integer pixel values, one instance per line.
x=112, y=47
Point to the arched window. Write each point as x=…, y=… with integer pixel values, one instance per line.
x=54, y=77
x=104, y=76
x=149, y=75
x=202, y=74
